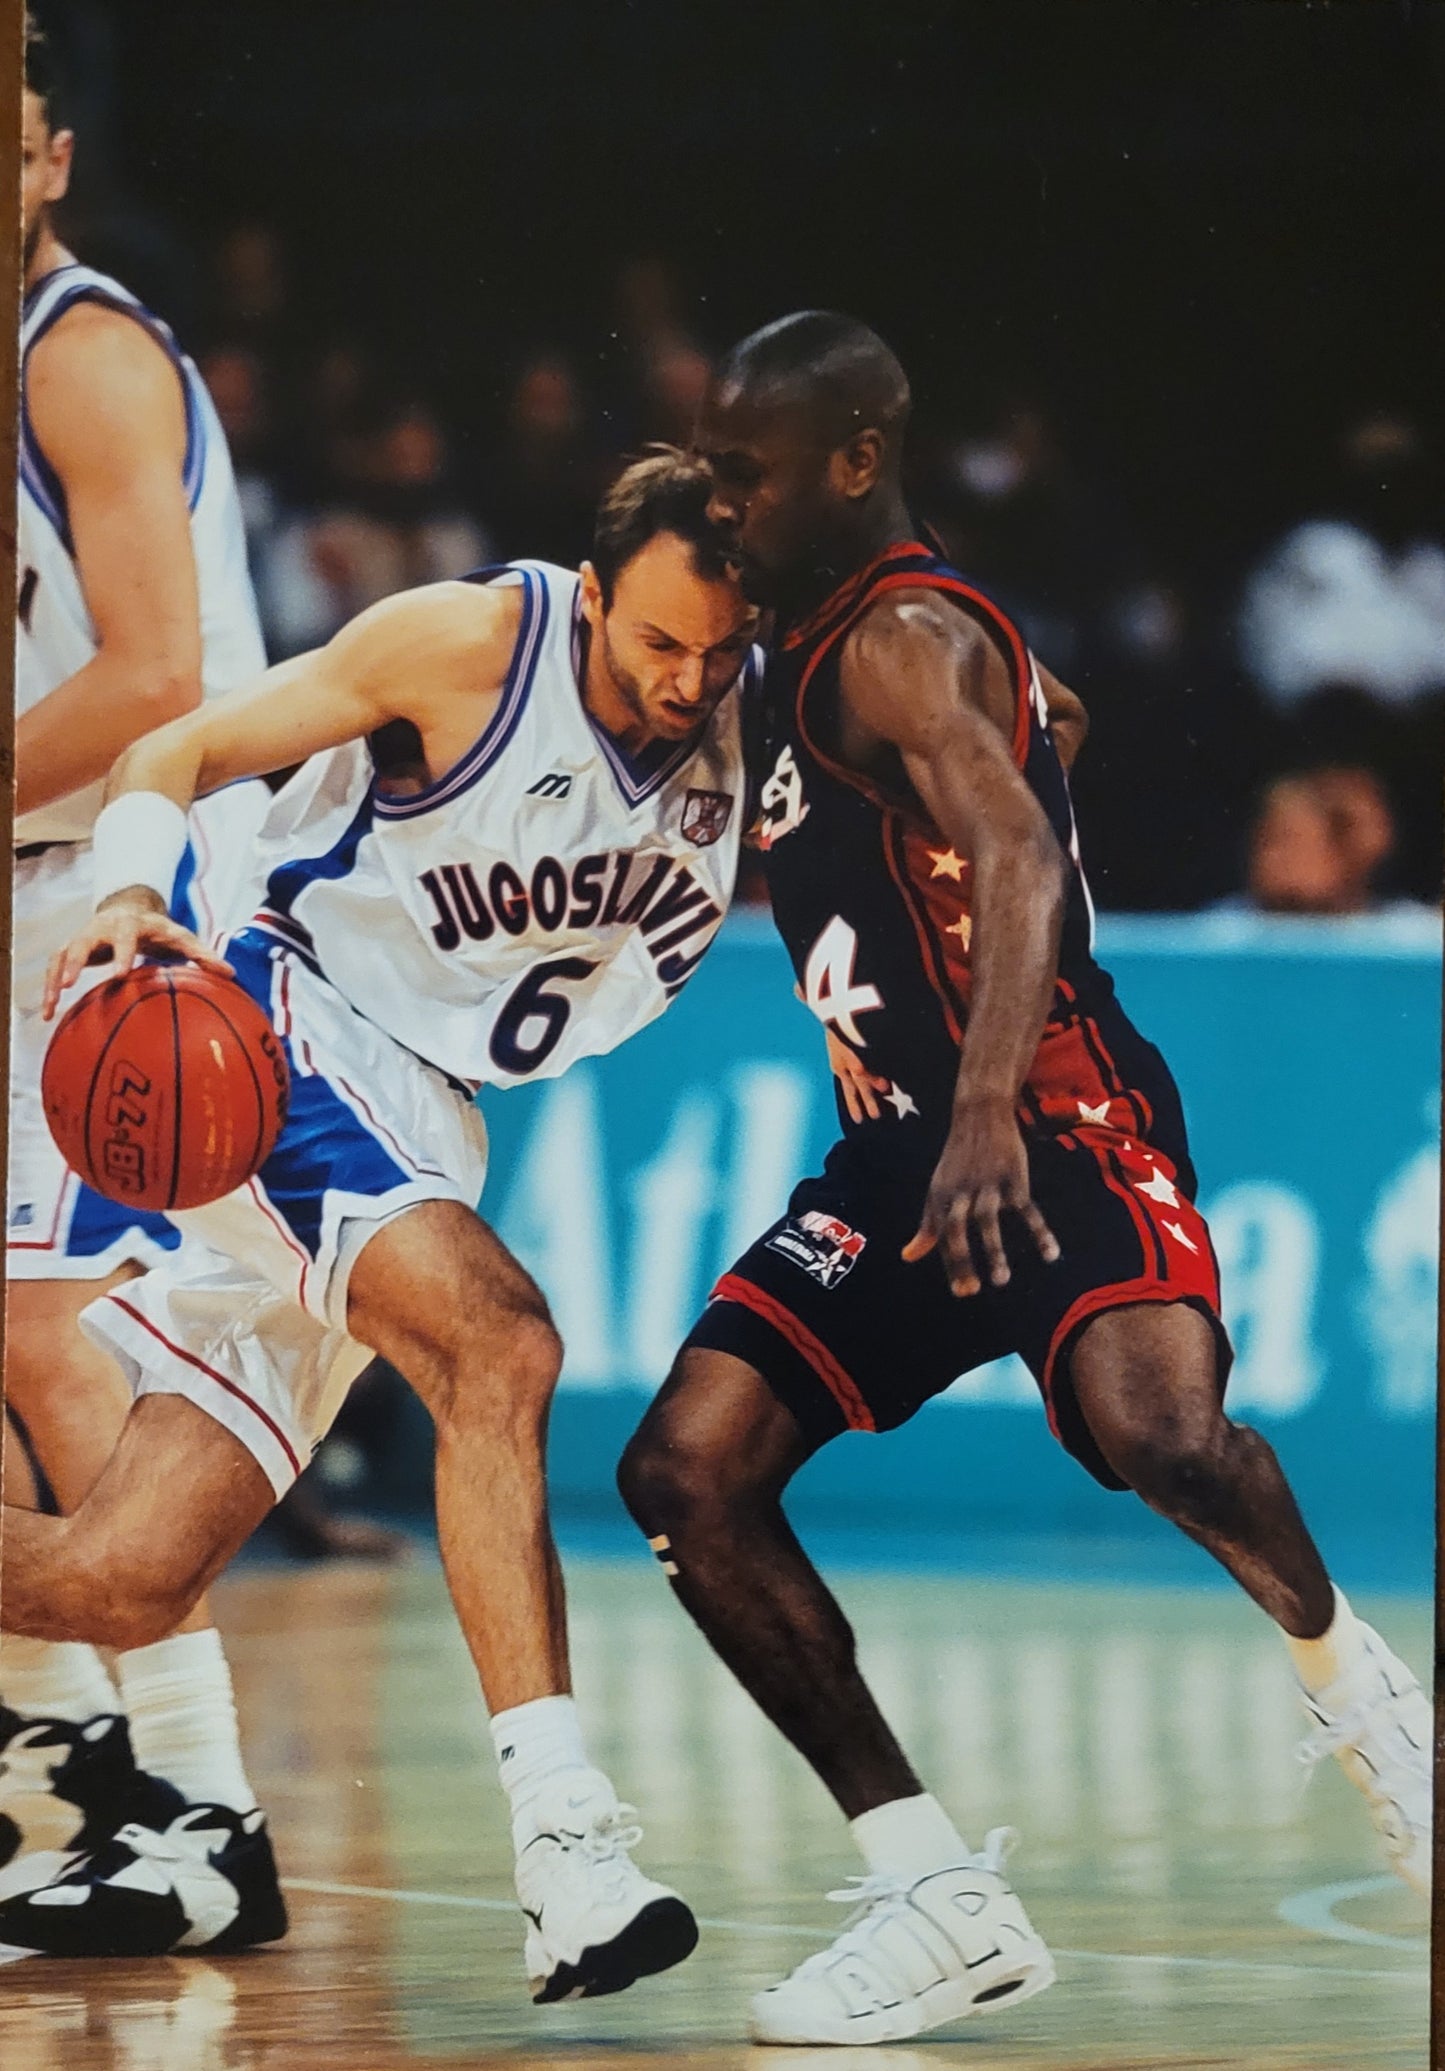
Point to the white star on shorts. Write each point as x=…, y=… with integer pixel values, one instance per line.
x=1158, y=1188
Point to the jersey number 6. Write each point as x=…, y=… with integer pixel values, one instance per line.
x=532, y=1002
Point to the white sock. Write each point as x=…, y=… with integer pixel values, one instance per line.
x=534, y=1743
x=908, y=1838
x=1320, y=1662
x=54, y=1679
x=177, y=1695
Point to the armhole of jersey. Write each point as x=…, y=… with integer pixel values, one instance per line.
x=39, y=476
x=503, y=723
x=999, y=628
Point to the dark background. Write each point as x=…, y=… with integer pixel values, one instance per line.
x=1194, y=241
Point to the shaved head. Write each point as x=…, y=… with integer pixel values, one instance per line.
x=829, y=370
x=803, y=429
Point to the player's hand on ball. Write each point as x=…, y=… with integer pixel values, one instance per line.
x=129, y=925
x=983, y=1172
x=859, y=1086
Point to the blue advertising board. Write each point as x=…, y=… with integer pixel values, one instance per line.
x=1309, y=1058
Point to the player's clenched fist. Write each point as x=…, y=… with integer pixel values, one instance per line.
x=982, y=1173
x=132, y=924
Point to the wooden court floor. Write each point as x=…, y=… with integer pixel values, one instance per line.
x=1204, y=1913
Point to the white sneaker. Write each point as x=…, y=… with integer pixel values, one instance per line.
x=916, y=1955
x=1378, y=1721
x=594, y=1923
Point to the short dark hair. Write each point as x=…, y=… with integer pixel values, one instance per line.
x=666, y=491
x=832, y=369
x=42, y=76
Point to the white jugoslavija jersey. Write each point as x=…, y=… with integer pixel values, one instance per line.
x=541, y=901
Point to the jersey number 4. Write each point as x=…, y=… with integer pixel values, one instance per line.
x=828, y=987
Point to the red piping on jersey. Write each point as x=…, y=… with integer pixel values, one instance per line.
x=912, y=580
x=934, y=968
x=839, y=1383
x=839, y=599
x=190, y=1359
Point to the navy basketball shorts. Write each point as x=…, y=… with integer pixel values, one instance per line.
x=849, y=1337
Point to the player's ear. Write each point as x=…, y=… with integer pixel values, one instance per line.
x=593, y=608
x=62, y=150
x=857, y=465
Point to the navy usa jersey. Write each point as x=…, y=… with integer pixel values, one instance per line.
x=874, y=904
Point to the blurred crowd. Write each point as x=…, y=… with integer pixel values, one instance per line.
x=1268, y=725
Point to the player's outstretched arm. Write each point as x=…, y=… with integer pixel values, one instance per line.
x=920, y=677
x=105, y=404
x=405, y=658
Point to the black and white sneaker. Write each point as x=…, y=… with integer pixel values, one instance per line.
x=62, y=1790
x=173, y=1877
x=595, y=1923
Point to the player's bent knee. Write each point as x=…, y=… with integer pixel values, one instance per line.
x=1177, y=1471
x=664, y=1484
x=110, y=1601
x=506, y=1372
x=530, y=1356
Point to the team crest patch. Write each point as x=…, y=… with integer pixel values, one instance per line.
x=824, y=1247
x=704, y=816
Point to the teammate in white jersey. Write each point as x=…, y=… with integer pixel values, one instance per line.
x=526, y=875
x=133, y=600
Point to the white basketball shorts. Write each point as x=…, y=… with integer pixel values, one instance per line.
x=248, y=1319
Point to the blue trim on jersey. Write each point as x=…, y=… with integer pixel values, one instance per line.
x=182, y=908
x=634, y=779
x=286, y=884
x=41, y=481
x=289, y=933
x=503, y=722
x=193, y=468
x=97, y=1223
x=36, y=472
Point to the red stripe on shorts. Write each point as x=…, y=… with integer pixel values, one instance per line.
x=220, y=1379
x=839, y=1383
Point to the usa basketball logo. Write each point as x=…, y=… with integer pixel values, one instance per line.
x=704, y=816
x=825, y=1248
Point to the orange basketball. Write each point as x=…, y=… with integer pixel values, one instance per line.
x=165, y=1088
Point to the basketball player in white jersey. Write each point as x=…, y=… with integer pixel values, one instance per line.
x=527, y=874
x=133, y=600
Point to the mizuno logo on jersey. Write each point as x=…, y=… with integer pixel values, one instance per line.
x=554, y=785
x=659, y=897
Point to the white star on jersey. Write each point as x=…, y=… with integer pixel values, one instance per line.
x=1099, y=1114
x=901, y=1103
x=1158, y=1188
x=963, y=928
x=1175, y=1231
x=946, y=864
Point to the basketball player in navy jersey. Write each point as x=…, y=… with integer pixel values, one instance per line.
x=1013, y=1176
x=133, y=601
